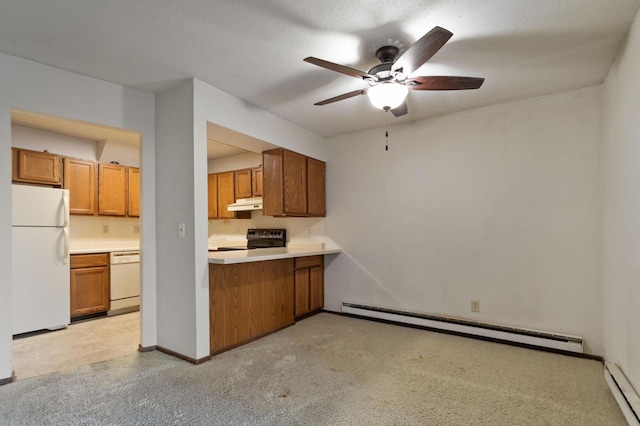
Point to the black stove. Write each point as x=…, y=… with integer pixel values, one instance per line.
x=261, y=238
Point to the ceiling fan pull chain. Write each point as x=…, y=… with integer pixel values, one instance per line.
x=386, y=130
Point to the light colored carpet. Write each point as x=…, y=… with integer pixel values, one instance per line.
x=326, y=370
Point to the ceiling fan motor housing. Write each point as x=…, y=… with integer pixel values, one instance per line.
x=387, y=56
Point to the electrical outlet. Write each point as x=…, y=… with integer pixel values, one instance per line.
x=105, y=229
x=309, y=230
x=182, y=231
x=136, y=229
x=475, y=306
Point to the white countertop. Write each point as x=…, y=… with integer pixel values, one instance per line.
x=87, y=247
x=260, y=255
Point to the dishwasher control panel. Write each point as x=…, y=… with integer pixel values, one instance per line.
x=125, y=257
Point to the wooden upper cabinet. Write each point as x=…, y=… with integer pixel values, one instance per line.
x=316, y=187
x=212, y=191
x=112, y=189
x=290, y=187
x=80, y=180
x=243, y=183
x=256, y=181
x=295, y=183
x=133, y=205
x=36, y=167
x=226, y=195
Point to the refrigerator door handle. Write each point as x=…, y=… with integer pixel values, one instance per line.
x=65, y=231
x=65, y=202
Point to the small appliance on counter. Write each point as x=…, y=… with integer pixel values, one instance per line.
x=261, y=238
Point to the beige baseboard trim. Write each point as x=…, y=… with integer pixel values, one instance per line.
x=184, y=357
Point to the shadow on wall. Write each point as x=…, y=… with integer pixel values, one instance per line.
x=347, y=280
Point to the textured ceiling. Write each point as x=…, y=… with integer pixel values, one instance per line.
x=254, y=49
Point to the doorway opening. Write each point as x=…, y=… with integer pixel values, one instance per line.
x=100, y=167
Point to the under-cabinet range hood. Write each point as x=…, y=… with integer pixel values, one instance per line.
x=244, y=204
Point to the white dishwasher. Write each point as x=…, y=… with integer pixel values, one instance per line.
x=124, y=271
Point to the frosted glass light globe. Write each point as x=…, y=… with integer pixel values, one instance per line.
x=387, y=95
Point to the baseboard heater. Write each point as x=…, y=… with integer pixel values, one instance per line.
x=623, y=391
x=469, y=327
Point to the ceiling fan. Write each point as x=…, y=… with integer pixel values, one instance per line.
x=390, y=81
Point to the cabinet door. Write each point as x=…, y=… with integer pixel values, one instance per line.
x=243, y=183
x=256, y=181
x=316, y=187
x=249, y=300
x=80, y=180
x=212, y=191
x=272, y=195
x=133, y=178
x=301, y=289
x=226, y=195
x=89, y=291
x=36, y=167
x=295, y=183
x=316, y=288
x=112, y=190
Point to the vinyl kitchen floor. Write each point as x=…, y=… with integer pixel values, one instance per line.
x=77, y=345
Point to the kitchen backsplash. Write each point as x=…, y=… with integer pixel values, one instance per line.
x=297, y=228
x=92, y=228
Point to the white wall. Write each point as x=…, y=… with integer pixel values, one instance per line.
x=40, y=140
x=176, y=282
x=234, y=162
x=35, y=87
x=621, y=266
x=500, y=204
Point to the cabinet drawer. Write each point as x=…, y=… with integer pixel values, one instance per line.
x=89, y=260
x=308, y=262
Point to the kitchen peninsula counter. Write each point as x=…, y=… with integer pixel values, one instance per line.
x=256, y=292
x=264, y=254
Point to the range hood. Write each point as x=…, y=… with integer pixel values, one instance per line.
x=244, y=204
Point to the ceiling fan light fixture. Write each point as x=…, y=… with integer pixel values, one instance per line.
x=387, y=95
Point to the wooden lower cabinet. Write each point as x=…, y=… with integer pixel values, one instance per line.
x=308, y=285
x=248, y=301
x=89, y=284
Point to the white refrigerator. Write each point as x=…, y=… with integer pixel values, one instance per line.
x=40, y=258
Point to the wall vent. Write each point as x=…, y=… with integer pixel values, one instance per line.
x=465, y=326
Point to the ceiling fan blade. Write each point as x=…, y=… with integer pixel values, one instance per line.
x=422, y=50
x=443, y=83
x=401, y=110
x=337, y=67
x=343, y=96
